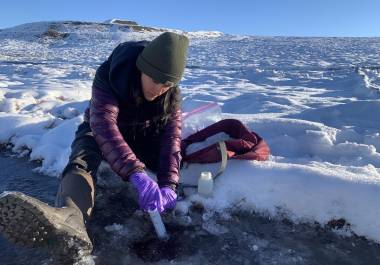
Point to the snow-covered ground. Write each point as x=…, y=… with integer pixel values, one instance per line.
x=314, y=100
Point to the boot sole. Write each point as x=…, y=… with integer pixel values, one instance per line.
x=24, y=220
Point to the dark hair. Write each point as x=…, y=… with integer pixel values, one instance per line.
x=170, y=103
x=173, y=99
x=164, y=106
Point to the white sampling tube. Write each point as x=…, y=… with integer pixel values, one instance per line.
x=159, y=226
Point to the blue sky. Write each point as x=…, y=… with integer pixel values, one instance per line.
x=266, y=17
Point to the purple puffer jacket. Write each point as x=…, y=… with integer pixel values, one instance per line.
x=108, y=116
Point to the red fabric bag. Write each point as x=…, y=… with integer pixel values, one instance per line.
x=245, y=145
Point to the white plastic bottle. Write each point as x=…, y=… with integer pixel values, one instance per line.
x=205, y=184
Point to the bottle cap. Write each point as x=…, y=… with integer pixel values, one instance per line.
x=206, y=175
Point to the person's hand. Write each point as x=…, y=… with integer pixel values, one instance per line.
x=169, y=198
x=150, y=198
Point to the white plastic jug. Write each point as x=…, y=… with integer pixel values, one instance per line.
x=205, y=184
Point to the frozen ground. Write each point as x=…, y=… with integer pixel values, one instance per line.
x=314, y=100
x=122, y=235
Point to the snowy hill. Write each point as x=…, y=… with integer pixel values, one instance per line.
x=314, y=100
x=78, y=29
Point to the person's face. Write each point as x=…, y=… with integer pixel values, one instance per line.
x=151, y=88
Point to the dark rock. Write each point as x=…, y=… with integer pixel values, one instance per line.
x=52, y=33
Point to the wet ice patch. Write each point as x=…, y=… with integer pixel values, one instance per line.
x=211, y=226
x=113, y=227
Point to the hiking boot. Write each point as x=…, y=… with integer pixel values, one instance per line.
x=30, y=222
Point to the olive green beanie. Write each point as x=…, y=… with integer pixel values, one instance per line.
x=164, y=58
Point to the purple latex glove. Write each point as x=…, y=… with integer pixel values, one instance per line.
x=150, y=198
x=169, y=198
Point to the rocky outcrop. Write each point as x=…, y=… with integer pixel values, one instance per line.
x=52, y=33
